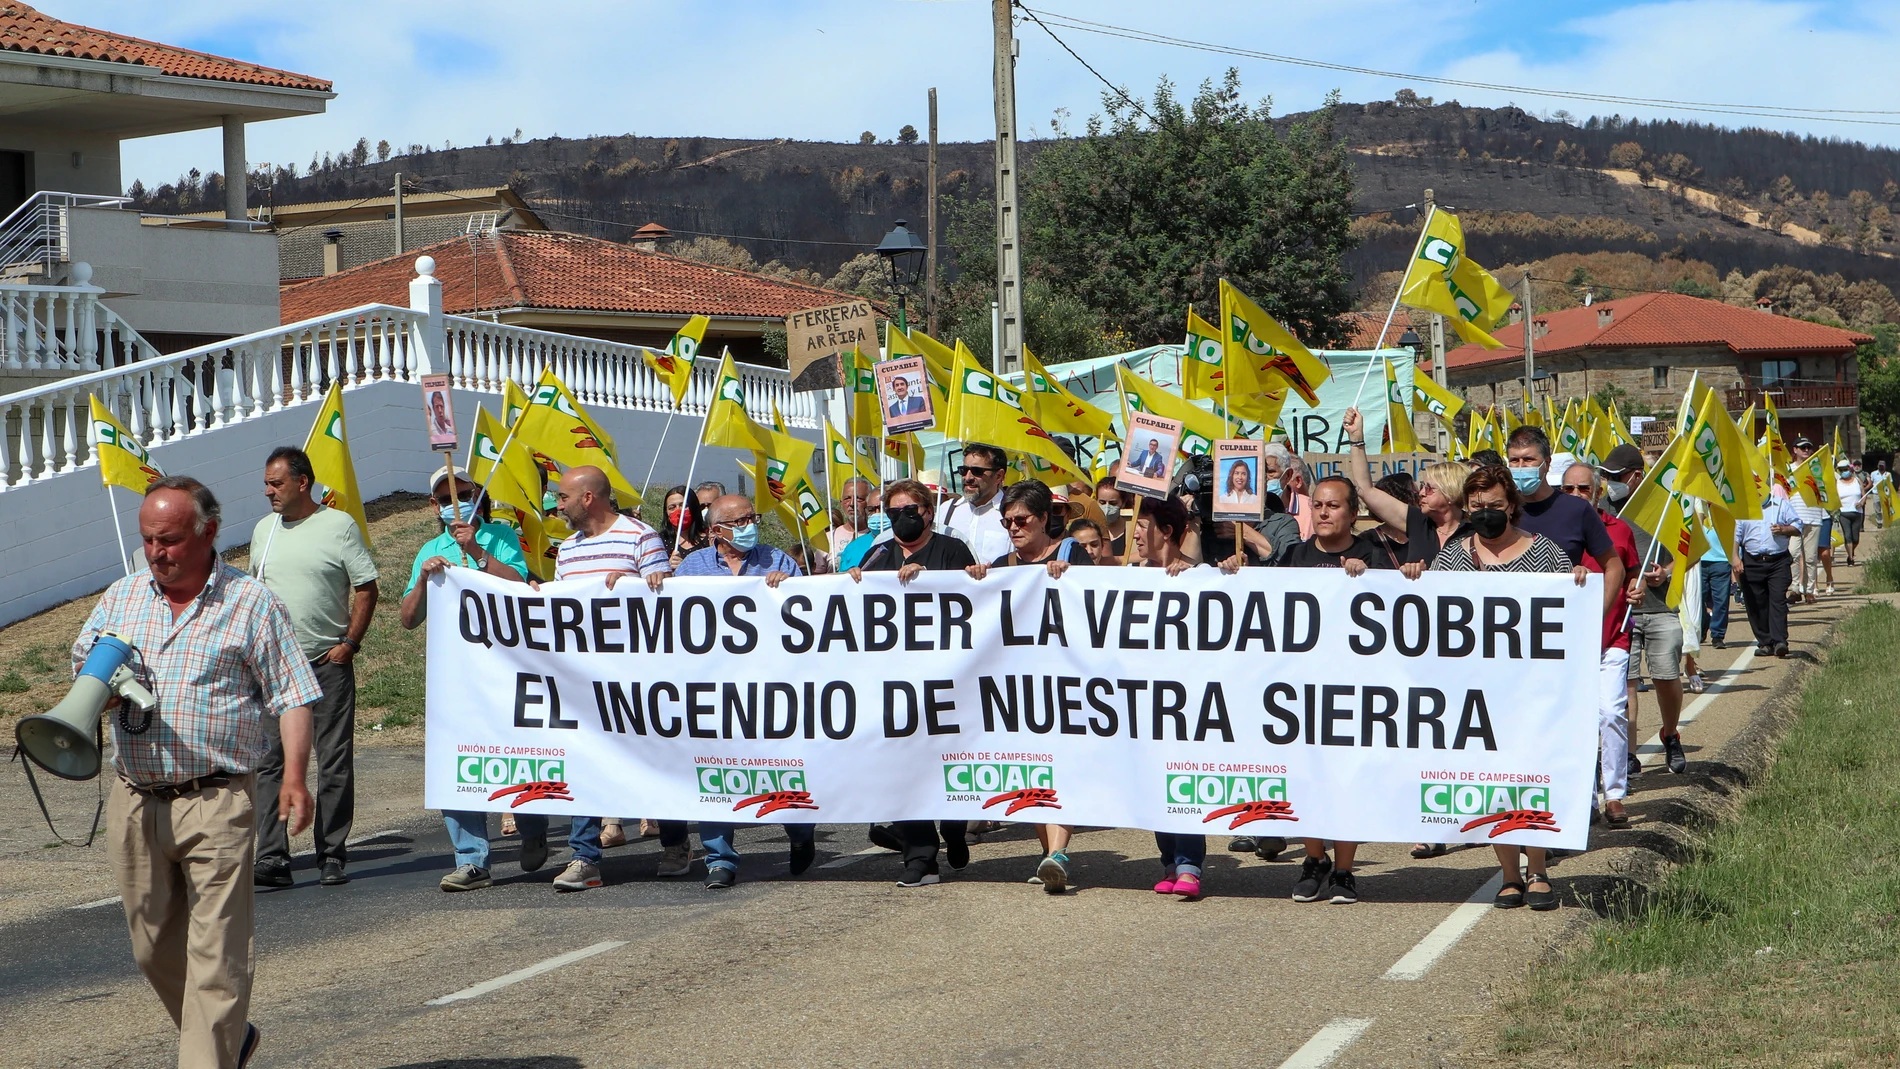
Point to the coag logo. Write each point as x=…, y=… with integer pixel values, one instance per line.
x=1206, y=350
x=107, y=434
x=507, y=771
x=685, y=347
x=1711, y=451
x=1439, y=251
x=1194, y=445
x=334, y=428
x=808, y=503
x=730, y=390
x=1476, y=799
x=771, y=789
x=550, y=396
x=1244, y=798
x=1019, y=786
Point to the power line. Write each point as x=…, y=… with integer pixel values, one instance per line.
x=1117, y=90
x=1758, y=111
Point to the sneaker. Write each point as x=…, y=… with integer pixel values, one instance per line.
x=1718, y=644
x=919, y=873
x=1269, y=847
x=1672, y=754
x=1054, y=871
x=721, y=878
x=1313, y=872
x=956, y=851
x=272, y=872
x=466, y=878
x=1188, y=887
x=1242, y=844
x=1830, y=586
x=1036, y=876
x=884, y=836
x=534, y=851
x=676, y=860
x=333, y=874
x=249, y=1047
x=802, y=855
x=578, y=876
x=1636, y=765
x=1344, y=889
x=612, y=834
x=1695, y=685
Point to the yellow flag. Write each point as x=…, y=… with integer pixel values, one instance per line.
x=1599, y=443
x=1261, y=355
x=513, y=486
x=842, y=462
x=1814, y=479
x=1620, y=429
x=1570, y=434
x=936, y=376
x=514, y=401
x=799, y=498
x=122, y=460
x=1533, y=416
x=1399, y=434
x=1202, y=360
x=938, y=357
x=1717, y=463
x=1199, y=430
x=674, y=365
x=984, y=408
x=556, y=426
x=328, y=448
x=1436, y=399
x=860, y=382
x=727, y=421
x=1056, y=408
x=1442, y=279
x=781, y=473
x=1648, y=506
x=1688, y=543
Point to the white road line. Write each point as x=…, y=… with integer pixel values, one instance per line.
x=1419, y=960
x=530, y=972
x=852, y=859
x=1652, y=752
x=1328, y=1043
x=113, y=901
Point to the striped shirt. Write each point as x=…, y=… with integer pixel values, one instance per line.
x=228, y=659
x=628, y=547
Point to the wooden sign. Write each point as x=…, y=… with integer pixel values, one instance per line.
x=815, y=337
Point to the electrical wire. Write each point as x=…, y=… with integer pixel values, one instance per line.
x=1759, y=111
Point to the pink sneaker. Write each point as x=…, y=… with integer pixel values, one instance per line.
x=1166, y=886
x=1188, y=887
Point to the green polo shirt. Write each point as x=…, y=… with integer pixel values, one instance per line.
x=498, y=540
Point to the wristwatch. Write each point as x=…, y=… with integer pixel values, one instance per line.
x=481, y=562
x=355, y=646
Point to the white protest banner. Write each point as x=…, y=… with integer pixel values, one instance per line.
x=1326, y=465
x=1453, y=708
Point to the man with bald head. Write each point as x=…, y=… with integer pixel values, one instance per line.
x=736, y=551
x=219, y=651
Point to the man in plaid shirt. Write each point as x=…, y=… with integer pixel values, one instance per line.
x=217, y=649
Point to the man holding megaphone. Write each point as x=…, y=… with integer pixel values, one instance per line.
x=216, y=651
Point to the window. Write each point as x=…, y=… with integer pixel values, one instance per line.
x=1659, y=377
x=1774, y=372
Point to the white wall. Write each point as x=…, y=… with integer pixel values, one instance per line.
x=177, y=280
x=56, y=536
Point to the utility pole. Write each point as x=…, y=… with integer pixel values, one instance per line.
x=1438, y=356
x=1530, y=314
x=1008, y=355
x=399, y=242
x=930, y=224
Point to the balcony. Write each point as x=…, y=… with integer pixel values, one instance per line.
x=1797, y=396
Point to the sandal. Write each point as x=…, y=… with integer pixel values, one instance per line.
x=1510, y=896
x=1422, y=851
x=1541, y=901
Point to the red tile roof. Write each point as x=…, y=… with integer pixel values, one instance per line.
x=22, y=29
x=1662, y=320
x=1365, y=331
x=558, y=272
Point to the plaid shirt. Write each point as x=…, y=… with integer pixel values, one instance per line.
x=230, y=657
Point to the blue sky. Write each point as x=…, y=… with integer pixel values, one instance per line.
x=433, y=70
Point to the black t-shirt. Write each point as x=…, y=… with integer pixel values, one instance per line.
x=940, y=554
x=1075, y=555
x=1307, y=554
x=1421, y=538
x=1569, y=521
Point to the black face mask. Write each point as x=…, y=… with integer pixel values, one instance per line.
x=1489, y=523
x=908, y=526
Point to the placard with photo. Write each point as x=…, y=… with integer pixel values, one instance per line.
x=1237, y=463
x=903, y=393
x=438, y=413
x=1148, y=455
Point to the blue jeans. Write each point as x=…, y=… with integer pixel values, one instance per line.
x=1715, y=587
x=1182, y=855
x=722, y=854
x=468, y=833
x=583, y=835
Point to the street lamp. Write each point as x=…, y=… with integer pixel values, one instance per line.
x=1410, y=340
x=903, y=254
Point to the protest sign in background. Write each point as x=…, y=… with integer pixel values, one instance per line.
x=814, y=339
x=1286, y=702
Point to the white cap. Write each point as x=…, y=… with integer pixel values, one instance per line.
x=442, y=474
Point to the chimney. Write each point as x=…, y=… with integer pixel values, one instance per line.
x=1517, y=313
x=649, y=237
x=1605, y=316
x=1539, y=328
x=332, y=251
x=1765, y=304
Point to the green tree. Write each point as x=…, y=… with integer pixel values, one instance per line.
x=1154, y=205
x=907, y=135
x=1880, y=388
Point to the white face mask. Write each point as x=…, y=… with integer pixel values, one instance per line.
x=1618, y=491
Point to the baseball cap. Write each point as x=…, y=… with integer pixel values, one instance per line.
x=1624, y=458
x=442, y=474
x=1803, y=443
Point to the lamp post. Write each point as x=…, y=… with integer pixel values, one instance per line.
x=903, y=254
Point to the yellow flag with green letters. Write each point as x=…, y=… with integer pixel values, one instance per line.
x=122, y=460
x=674, y=365
x=1199, y=429
x=1442, y=279
x=1056, y=408
x=1436, y=399
x=1717, y=463
x=727, y=421
x=328, y=448
x=1399, y=434
x=984, y=408
x=1261, y=355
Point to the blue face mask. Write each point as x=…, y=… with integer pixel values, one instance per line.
x=1527, y=479
x=459, y=512
x=1273, y=486
x=879, y=522
x=744, y=538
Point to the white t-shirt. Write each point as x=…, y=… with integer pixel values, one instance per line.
x=980, y=526
x=1848, y=490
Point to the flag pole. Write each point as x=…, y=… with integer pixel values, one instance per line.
x=499, y=453
x=118, y=530
x=647, y=483
x=1429, y=212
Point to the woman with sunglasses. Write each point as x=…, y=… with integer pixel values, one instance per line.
x=1417, y=529
x=1028, y=509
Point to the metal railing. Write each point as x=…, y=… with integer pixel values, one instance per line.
x=35, y=233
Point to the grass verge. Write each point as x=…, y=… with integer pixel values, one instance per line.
x=1883, y=567
x=1779, y=944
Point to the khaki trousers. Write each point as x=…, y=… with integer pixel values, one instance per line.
x=184, y=869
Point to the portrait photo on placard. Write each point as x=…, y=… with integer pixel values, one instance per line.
x=1237, y=479
x=904, y=395
x=438, y=413
x=1148, y=456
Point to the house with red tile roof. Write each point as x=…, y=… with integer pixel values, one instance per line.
x=69, y=94
x=1649, y=345
x=574, y=284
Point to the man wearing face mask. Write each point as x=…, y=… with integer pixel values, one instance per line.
x=1286, y=480
x=1655, y=629
x=1563, y=518
x=1613, y=727
x=736, y=550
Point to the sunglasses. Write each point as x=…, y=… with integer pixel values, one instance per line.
x=966, y=471
x=1014, y=522
x=896, y=512
x=1580, y=491
x=742, y=521
x=464, y=497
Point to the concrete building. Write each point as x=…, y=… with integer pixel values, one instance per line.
x=1648, y=346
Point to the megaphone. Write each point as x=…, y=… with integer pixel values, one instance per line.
x=61, y=740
